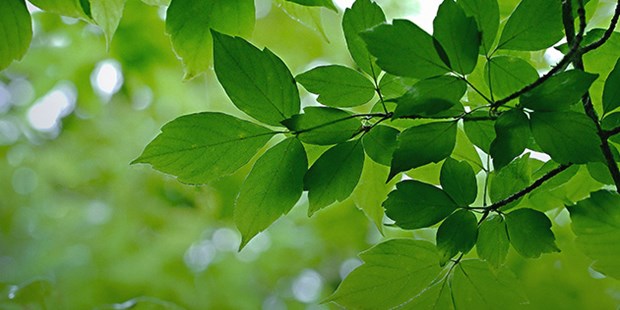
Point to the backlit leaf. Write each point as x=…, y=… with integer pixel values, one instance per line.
x=199, y=148
x=431, y=96
x=459, y=181
x=393, y=273
x=457, y=233
x=559, y=92
x=458, y=35
x=596, y=222
x=508, y=74
x=423, y=144
x=107, y=14
x=414, y=57
x=323, y=126
x=271, y=189
x=511, y=179
x=530, y=233
x=512, y=130
x=70, y=8
x=493, y=242
x=611, y=92
x=568, y=137
x=15, y=31
x=363, y=15
x=257, y=82
x=534, y=25
x=380, y=143
x=324, y=3
x=337, y=86
x=414, y=205
x=189, y=24
x=480, y=133
x=334, y=175
x=486, y=13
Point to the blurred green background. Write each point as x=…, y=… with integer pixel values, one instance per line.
x=82, y=229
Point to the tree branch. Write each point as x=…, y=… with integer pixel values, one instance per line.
x=612, y=132
x=607, y=34
x=529, y=189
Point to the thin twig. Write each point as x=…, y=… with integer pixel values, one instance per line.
x=607, y=34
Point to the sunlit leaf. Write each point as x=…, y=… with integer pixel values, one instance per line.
x=393, y=273
x=337, y=86
x=481, y=133
x=415, y=205
x=414, y=57
x=596, y=222
x=431, y=96
x=456, y=234
x=271, y=189
x=611, y=92
x=324, y=3
x=568, y=137
x=202, y=147
x=559, y=92
x=508, y=74
x=512, y=131
x=380, y=143
x=534, y=25
x=334, y=175
x=423, y=144
x=493, y=243
x=372, y=190
x=511, y=179
x=189, y=24
x=458, y=35
x=15, y=31
x=323, y=126
x=530, y=233
x=107, y=14
x=70, y=8
x=477, y=286
x=486, y=13
x=459, y=181
x=363, y=15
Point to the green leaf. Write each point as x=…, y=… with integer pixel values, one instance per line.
x=610, y=122
x=157, y=2
x=568, y=137
x=394, y=272
x=323, y=126
x=334, y=175
x=199, y=148
x=465, y=150
x=456, y=234
x=372, y=190
x=458, y=35
x=414, y=205
x=257, y=82
x=534, y=25
x=271, y=189
x=476, y=286
x=480, y=133
x=414, y=57
x=15, y=31
x=380, y=143
x=324, y=3
x=559, y=92
x=431, y=96
x=507, y=75
x=393, y=86
x=71, y=8
x=611, y=92
x=511, y=179
x=307, y=16
x=493, y=242
x=596, y=222
x=486, y=13
x=530, y=233
x=512, y=137
x=107, y=14
x=363, y=15
x=188, y=22
x=437, y=296
x=423, y=144
x=459, y=181
x=337, y=86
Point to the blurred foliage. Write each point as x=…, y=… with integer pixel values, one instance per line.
x=81, y=229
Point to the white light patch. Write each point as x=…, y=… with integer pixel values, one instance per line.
x=107, y=78
x=307, y=287
x=200, y=255
x=425, y=15
x=46, y=113
x=343, y=4
x=263, y=7
x=553, y=56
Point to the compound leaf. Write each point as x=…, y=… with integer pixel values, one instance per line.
x=337, y=86
x=414, y=205
x=334, y=175
x=199, y=148
x=530, y=233
x=271, y=189
x=414, y=57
